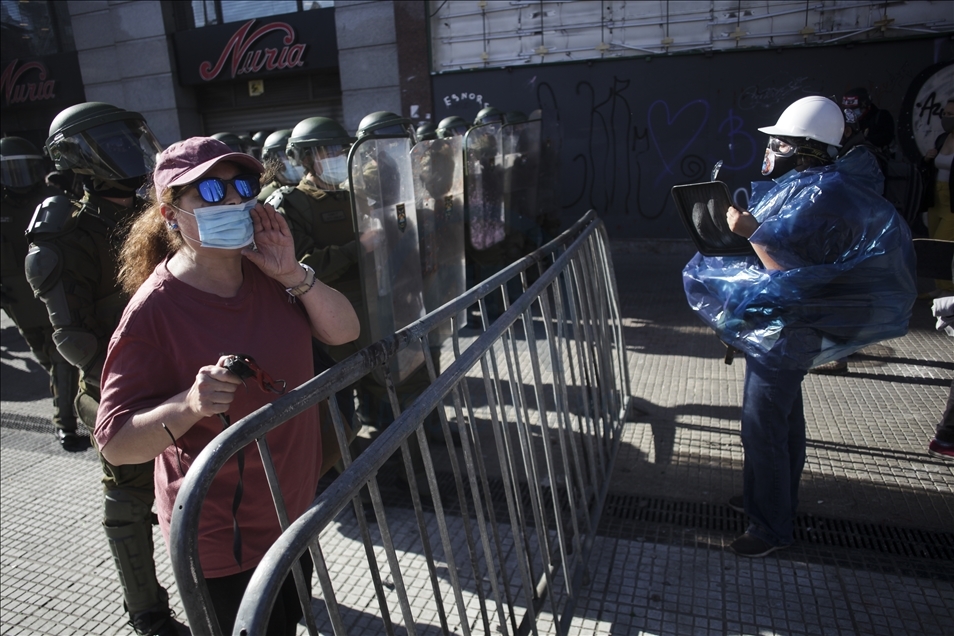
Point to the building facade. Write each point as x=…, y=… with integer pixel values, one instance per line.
x=639, y=96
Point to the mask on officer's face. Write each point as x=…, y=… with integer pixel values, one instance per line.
x=334, y=170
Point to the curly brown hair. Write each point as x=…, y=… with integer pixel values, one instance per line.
x=149, y=241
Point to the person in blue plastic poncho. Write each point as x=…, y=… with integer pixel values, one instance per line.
x=834, y=271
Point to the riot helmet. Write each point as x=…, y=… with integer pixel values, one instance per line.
x=260, y=137
x=489, y=115
x=320, y=146
x=112, y=148
x=803, y=136
x=385, y=124
x=426, y=131
x=515, y=117
x=21, y=164
x=233, y=141
x=250, y=146
x=452, y=126
x=273, y=155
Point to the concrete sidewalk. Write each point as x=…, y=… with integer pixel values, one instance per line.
x=875, y=550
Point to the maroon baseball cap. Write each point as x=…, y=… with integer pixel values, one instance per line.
x=186, y=161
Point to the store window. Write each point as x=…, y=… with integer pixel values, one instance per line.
x=33, y=29
x=209, y=12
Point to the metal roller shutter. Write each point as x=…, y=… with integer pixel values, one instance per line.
x=271, y=117
x=285, y=101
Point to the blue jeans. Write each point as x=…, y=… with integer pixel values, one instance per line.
x=773, y=436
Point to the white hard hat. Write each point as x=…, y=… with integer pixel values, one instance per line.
x=813, y=117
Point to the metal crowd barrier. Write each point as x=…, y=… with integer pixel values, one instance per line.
x=501, y=545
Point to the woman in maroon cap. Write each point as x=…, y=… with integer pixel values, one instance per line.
x=211, y=270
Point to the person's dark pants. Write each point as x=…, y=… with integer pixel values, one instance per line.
x=227, y=592
x=128, y=495
x=945, y=428
x=773, y=436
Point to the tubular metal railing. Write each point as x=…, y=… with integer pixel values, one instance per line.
x=505, y=522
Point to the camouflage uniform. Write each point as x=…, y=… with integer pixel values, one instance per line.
x=72, y=266
x=29, y=313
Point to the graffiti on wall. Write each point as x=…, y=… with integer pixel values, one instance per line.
x=631, y=154
x=628, y=132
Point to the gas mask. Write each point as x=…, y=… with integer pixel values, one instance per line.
x=779, y=158
x=947, y=123
x=224, y=226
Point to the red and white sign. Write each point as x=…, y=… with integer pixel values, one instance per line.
x=246, y=58
x=19, y=85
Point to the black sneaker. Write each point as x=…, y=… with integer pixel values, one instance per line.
x=753, y=547
x=157, y=623
x=737, y=503
x=70, y=441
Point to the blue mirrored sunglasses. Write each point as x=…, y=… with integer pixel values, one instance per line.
x=213, y=189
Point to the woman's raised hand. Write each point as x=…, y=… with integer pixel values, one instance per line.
x=274, y=251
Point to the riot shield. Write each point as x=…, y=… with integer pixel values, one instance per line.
x=389, y=259
x=521, y=151
x=548, y=181
x=487, y=223
x=439, y=194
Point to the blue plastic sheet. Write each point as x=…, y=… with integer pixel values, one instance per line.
x=849, y=277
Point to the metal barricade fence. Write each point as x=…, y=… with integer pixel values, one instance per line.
x=505, y=522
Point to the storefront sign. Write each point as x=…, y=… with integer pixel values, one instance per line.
x=258, y=48
x=51, y=80
x=15, y=91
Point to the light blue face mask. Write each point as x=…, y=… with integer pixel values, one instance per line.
x=334, y=170
x=224, y=226
x=291, y=172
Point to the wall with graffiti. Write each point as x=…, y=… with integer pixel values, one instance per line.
x=631, y=129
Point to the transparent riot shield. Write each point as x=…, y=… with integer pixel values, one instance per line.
x=548, y=180
x=521, y=152
x=439, y=194
x=389, y=259
x=487, y=223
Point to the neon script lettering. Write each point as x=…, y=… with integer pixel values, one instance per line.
x=27, y=91
x=248, y=60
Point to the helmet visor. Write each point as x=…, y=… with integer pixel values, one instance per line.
x=452, y=131
x=115, y=150
x=21, y=171
x=395, y=130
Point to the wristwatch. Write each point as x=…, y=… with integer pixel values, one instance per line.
x=304, y=285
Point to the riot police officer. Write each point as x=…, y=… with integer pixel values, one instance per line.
x=22, y=175
x=451, y=127
x=71, y=266
x=318, y=212
x=278, y=167
x=233, y=141
x=258, y=143
x=426, y=132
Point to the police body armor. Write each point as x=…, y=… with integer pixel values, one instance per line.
x=385, y=216
x=27, y=311
x=520, y=144
x=487, y=222
x=18, y=299
x=439, y=195
x=321, y=224
x=72, y=267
